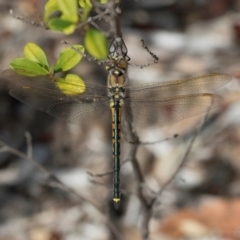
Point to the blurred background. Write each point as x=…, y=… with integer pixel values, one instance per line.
x=190, y=37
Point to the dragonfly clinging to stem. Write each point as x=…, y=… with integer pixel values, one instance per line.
x=154, y=104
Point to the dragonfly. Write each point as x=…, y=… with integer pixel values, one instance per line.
x=147, y=105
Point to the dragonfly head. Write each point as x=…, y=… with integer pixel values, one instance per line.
x=118, y=49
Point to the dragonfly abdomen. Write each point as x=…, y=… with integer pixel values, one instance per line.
x=116, y=110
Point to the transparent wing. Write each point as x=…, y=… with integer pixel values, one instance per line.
x=45, y=82
x=42, y=93
x=158, y=113
x=195, y=85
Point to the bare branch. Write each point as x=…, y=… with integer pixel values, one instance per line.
x=139, y=175
x=33, y=23
x=55, y=179
x=4, y=149
x=149, y=209
x=100, y=174
x=92, y=19
x=29, y=144
x=150, y=143
x=185, y=157
x=89, y=58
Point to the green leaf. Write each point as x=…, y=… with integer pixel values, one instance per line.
x=33, y=52
x=27, y=67
x=61, y=25
x=71, y=85
x=84, y=14
x=68, y=58
x=85, y=3
x=58, y=24
x=66, y=23
x=50, y=7
x=69, y=9
x=96, y=44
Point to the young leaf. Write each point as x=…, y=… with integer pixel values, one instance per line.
x=50, y=7
x=27, y=67
x=85, y=12
x=71, y=85
x=58, y=24
x=33, y=52
x=96, y=44
x=69, y=9
x=68, y=58
x=85, y=3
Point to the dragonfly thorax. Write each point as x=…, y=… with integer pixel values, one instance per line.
x=117, y=73
x=116, y=92
x=117, y=64
x=116, y=80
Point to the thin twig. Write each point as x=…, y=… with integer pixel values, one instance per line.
x=29, y=144
x=100, y=174
x=150, y=143
x=33, y=23
x=94, y=18
x=90, y=58
x=185, y=157
x=54, y=178
x=149, y=212
x=137, y=170
x=110, y=5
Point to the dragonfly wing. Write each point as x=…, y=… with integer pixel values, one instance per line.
x=195, y=85
x=50, y=83
x=43, y=94
x=158, y=113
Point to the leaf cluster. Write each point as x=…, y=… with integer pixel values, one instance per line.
x=35, y=63
x=66, y=15
x=70, y=14
x=63, y=16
